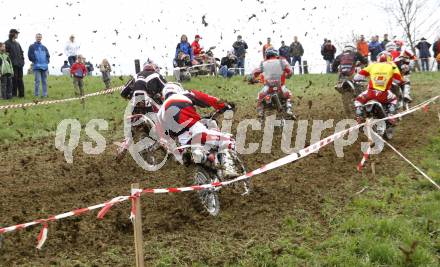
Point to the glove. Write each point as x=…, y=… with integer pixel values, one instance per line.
x=228, y=106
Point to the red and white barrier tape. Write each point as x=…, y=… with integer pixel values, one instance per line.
x=105, y=207
x=409, y=162
x=367, y=153
x=42, y=236
x=47, y=102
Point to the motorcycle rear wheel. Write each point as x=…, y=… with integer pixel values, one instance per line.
x=348, y=102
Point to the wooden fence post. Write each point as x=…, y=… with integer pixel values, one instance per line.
x=137, y=227
x=305, y=67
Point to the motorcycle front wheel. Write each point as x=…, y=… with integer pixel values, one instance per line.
x=206, y=201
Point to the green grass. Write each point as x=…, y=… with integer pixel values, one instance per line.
x=41, y=121
x=394, y=217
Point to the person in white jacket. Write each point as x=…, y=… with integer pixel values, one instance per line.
x=71, y=50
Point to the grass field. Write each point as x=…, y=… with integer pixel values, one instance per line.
x=393, y=221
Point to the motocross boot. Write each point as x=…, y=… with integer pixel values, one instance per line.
x=198, y=156
x=289, y=110
x=392, y=110
x=407, y=92
x=227, y=162
x=360, y=115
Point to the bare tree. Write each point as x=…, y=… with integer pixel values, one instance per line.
x=414, y=17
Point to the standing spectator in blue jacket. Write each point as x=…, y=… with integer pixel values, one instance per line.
x=424, y=54
x=183, y=49
x=39, y=56
x=374, y=47
x=240, y=47
x=284, y=51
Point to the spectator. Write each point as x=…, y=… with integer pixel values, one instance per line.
x=196, y=48
x=89, y=67
x=228, y=62
x=374, y=47
x=183, y=50
x=16, y=55
x=385, y=41
x=106, y=70
x=78, y=72
x=296, y=52
x=266, y=46
x=71, y=50
x=6, y=73
x=65, y=69
x=328, y=52
x=40, y=57
x=424, y=54
x=362, y=47
x=284, y=51
x=436, y=47
x=324, y=43
x=240, y=47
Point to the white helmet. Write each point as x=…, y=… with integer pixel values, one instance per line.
x=172, y=88
x=349, y=48
x=390, y=46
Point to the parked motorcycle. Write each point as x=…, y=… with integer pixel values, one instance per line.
x=209, y=64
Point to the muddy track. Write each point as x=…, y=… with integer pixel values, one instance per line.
x=36, y=182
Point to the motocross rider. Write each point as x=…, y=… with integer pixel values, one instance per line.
x=148, y=80
x=403, y=60
x=346, y=62
x=275, y=70
x=382, y=76
x=178, y=118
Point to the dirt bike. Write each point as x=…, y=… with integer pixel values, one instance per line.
x=208, y=62
x=375, y=110
x=349, y=90
x=183, y=70
x=274, y=101
x=405, y=88
x=143, y=125
x=207, y=171
x=402, y=102
x=211, y=170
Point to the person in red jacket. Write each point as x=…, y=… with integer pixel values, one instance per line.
x=197, y=49
x=178, y=118
x=78, y=71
